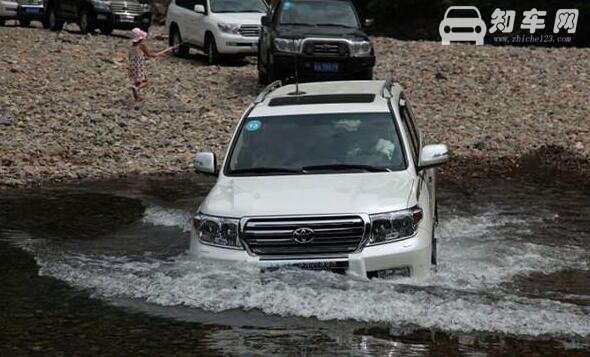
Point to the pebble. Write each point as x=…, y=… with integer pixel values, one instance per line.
x=73, y=90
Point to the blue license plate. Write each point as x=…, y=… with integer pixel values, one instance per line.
x=325, y=67
x=32, y=11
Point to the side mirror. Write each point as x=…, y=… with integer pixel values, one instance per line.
x=433, y=155
x=266, y=20
x=200, y=9
x=205, y=163
x=369, y=24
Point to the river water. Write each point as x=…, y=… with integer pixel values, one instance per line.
x=102, y=268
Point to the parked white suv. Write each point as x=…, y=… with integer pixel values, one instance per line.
x=217, y=27
x=333, y=176
x=8, y=10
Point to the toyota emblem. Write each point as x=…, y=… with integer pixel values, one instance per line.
x=303, y=235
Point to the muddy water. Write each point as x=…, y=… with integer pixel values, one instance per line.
x=102, y=269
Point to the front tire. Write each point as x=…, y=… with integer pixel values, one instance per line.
x=366, y=75
x=176, y=39
x=212, y=54
x=86, y=22
x=106, y=30
x=24, y=23
x=262, y=77
x=53, y=22
x=434, y=253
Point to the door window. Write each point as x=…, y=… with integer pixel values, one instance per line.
x=409, y=128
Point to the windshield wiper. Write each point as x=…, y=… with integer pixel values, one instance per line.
x=295, y=24
x=344, y=167
x=265, y=170
x=336, y=25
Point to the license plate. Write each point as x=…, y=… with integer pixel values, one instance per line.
x=32, y=11
x=325, y=67
x=306, y=265
x=126, y=18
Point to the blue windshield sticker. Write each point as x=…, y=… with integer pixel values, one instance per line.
x=253, y=125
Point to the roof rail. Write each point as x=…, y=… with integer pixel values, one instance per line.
x=266, y=91
x=385, y=90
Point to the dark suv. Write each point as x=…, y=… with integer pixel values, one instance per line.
x=323, y=39
x=105, y=15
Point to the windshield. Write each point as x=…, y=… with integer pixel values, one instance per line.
x=318, y=12
x=317, y=143
x=462, y=13
x=238, y=6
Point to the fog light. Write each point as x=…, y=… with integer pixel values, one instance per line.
x=478, y=29
x=447, y=29
x=400, y=272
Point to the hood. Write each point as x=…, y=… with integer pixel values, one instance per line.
x=242, y=18
x=320, y=31
x=309, y=194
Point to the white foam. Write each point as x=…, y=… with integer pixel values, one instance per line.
x=169, y=217
x=476, y=256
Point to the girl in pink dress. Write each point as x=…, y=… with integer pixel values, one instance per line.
x=139, y=51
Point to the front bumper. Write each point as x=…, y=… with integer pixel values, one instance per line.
x=347, y=67
x=123, y=20
x=411, y=254
x=30, y=12
x=236, y=44
x=8, y=9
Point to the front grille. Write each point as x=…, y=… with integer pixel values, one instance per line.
x=462, y=29
x=331, y=235
x=30, y=2
x=124, y=6
x=330, y=49
x=250, y=30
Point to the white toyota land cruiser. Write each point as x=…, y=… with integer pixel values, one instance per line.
x=217, y=27
x=334, y=176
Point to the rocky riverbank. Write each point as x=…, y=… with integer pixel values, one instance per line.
x=66, y=111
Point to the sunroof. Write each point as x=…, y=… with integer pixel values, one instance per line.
x=322, y=99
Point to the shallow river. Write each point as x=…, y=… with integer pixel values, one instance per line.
x=102, y=269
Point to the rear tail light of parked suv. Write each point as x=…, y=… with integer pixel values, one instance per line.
x=393, y=226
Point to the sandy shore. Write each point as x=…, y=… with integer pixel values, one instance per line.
x=66, y=111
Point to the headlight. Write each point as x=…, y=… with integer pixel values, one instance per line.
x=146, y=7
x=229, y=28
x=102, y=4
x=217, y=231
x=287, y=45
x=361, y=48
x=392, y=226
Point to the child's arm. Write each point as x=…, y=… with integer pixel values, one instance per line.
x=151, y=54
x=163, y=52
x=147, y=51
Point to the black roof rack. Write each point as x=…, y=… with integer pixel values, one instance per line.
x=323, y=99
x=386, y=90
x=269, y=88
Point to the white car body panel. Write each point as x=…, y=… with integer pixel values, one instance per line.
x=309, y=194
x=245, y=197
x=8, y=9
x=193, y=27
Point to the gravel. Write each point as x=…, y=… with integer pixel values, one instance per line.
x=67, y=111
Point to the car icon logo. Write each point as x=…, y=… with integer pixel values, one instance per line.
x=303, y=235
x=462, y=24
